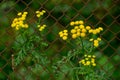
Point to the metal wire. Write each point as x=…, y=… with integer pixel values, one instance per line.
x=109, y=19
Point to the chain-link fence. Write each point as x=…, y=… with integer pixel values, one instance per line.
x=59, y=13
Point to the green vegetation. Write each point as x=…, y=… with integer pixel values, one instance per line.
x=54, y=51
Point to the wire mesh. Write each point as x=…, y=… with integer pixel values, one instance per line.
x=59, y=13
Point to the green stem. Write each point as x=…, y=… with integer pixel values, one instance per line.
x=82, y=44
x=91, y=48
x=39, y=20
x=22, y=33
x=77, y=76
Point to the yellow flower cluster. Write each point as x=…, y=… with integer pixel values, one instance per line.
x=40, y=13
x=63, y=34
x=80, y=29
x=73, y=23
x=41, y=28
x=96, y=31
x=18, y=23
x=89, y=60
x=95, y=41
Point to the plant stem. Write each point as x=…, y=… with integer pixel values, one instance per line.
x=82, y=44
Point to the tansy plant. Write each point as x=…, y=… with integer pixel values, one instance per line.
x=80, y=62
x=29, y=44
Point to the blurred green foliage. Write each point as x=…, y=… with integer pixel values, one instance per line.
x=105, y=13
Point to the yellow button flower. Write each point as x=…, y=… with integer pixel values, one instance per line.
x=65, y=31
x=88, y=27
x=91, y=39
x=78, y=33
x=94, y=64
x=61, y=35
x=64, y=37
x=94, y=32
x=84, y=30
x=88, y=63
x=73, y=31
x=76, y=22
x=74, y=36
x=96, y=44
x=19, y=14
x=78, y=30
x=90, y=31
x=93, y=56
x=26, y=26
x=82, y=34
x=86, y=58
x=100, y=28
x=72, y=23
x=76, y=27
x=81, y=26
x=99, y=39
x=81, y=22
x=25, y=13
x=89, y=56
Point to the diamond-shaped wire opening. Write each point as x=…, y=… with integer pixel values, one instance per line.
x=56, y=12
x=106, y=34
x=108, y=51
x=50, y=21
x=116, y=72
x=71, y=13
x=78, y=5
x=50, y=37
x=56, y=29
x=108, y=20
x=27, y=1
x=7, y=69
x=118, y=18
x=64, y=51
x=52, y=46
x=115, y=10
x=92, y=18
x=49, y=5
x=64, y=21
x=100, y=12
x=116, y=58
x=6, y=54
x=20, y=6
x=114, y=42
x=115, y=27
x=3, y=62
x=109, y=68
x=107, y=4
x=34, y=5
x=89, y=9
x=102, y=60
